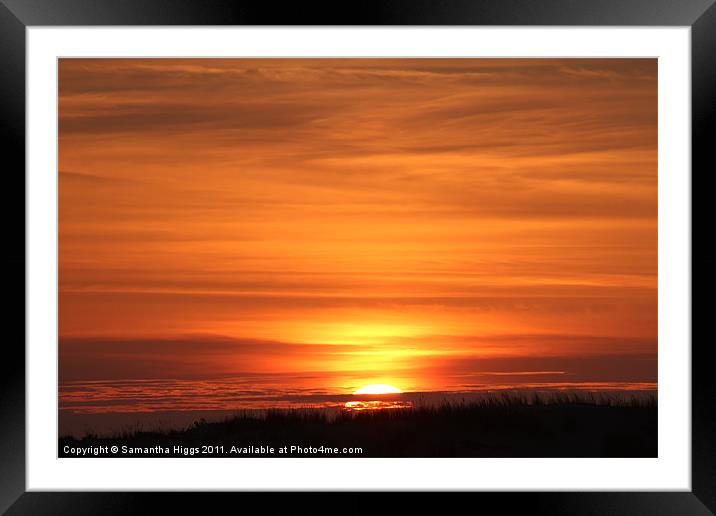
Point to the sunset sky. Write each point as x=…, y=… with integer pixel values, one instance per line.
x=427, y=223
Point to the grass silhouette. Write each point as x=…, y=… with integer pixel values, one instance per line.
x=562, y=425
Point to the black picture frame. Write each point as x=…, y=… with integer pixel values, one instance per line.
x=17, y=15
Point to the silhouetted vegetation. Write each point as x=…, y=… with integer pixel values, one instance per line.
x=500, y=426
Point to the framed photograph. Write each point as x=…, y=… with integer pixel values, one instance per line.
x=416, y=247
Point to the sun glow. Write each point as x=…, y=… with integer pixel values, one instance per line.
x=378, y=388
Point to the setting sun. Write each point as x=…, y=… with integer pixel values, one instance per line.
x=378, y=388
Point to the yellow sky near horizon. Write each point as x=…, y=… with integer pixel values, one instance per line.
x=387, y=216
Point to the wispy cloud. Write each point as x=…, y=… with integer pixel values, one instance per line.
x=357, y=214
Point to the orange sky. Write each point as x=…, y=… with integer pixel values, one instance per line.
x=409, y=221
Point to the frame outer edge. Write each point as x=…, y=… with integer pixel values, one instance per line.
x=12, y=111
x=359, y=12
x=703, y=113
x=12, y=143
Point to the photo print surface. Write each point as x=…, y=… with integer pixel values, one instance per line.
x=357, y=257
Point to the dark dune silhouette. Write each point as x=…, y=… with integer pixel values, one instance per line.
x=504, y=426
